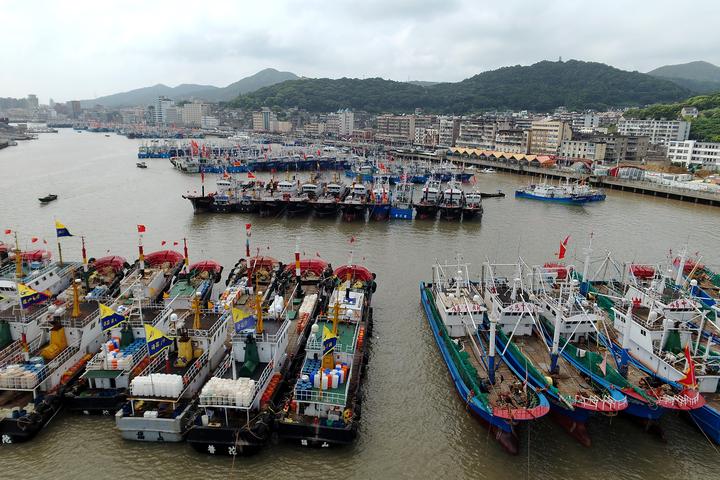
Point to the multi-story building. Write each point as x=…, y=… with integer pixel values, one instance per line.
x=512, y=141
x=658, y=131
x=621, y=148
x=32, y=101
x=693, y=153
x=75, y=108
x=161, y=110
x=346, y=122
x=314, y=128
x=172, y=115
x=262, y=121
x=209, y=122
x=477, y=133
x=395, y=128
x=192, y=114
x=448, y=131
x=546, y=136
x=583, y=149
x=426, y=137
x=332, y=124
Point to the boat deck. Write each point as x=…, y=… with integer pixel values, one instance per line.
x=568, y=381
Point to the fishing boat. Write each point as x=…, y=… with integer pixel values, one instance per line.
x=103, y=387
x=472, y=207
x=585, y=346
x=274, y=199
x=667, y=333
x=270, y=326
x=575, y=194
x=299, y=203
x=354, y=205
x=34, y=378
x=499, y=399
x=48, y=198
x=452, y=201
x=141, y=165
x=327, y=202
x=402, y=200
x=498, y=194
x=323, y=408
x=427, y=206
x=572, y=395
x=379, y=202
x=160, y=405
x=194, y=282
x=151, y=275
x=487, y=170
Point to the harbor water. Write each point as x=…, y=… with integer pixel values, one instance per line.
x=413, y=424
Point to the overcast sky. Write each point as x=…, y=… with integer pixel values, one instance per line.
x=83, y=49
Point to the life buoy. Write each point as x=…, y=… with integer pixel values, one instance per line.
x=347, y=415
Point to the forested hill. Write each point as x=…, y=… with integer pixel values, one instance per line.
x=539, y=87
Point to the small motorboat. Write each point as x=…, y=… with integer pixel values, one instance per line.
x=141, y=165
x=498, y=194
x=488, y=170
x=48, y=198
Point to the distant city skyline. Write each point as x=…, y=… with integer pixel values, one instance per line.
x=83, y=50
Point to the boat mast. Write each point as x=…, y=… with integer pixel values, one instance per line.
x=585, y=287
x=556, y=339
x=491, y=352
x=681, y=266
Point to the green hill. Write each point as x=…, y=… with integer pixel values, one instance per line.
x=706, y=127
x=539, y=87
x=700, y=77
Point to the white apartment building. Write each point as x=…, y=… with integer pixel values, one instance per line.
x=161, y=107
x=346, y=122
x=692, y=152
x=659, y=131
x=262, y=121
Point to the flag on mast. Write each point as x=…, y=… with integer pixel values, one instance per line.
x=689, y=379
x=61, y=230
x=563, y=248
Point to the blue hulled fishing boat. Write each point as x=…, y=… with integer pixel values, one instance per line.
x=483, y=381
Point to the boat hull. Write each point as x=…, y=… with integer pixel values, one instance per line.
x=470, y=213
x=230, y=441
x=26, y=428
x=576, y=200
x=426, y=211
x=502, y=430
x=94, y=402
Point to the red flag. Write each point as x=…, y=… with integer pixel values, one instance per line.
x=8, y=231
x=251, y=176
x=563, y=248
x=352, y=239
x=247, y=226
x=141, y=228
x=319, y=152
x=202, y=176
x=689, y=379
x=175, y=244
x=473, y=180
x=34, y=239
x=163, y=243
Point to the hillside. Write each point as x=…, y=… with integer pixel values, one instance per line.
x=705, y=128
x=210, y=93
x=539, y=87
x=701, y=77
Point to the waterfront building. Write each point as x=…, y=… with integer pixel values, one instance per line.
x=512, y=140
x=209, y=122
x=192, y=114
x=262, y=120
x=586, y=149
x=161, y=110
x=426, y=137
x=32, y=101
x=395, y=128
x=546, y=136
x=75, y=108
x=448, y=131
x=477, y=133
x=692, y=153
x=658, y=131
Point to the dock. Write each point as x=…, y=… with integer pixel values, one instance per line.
x=611, y=183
